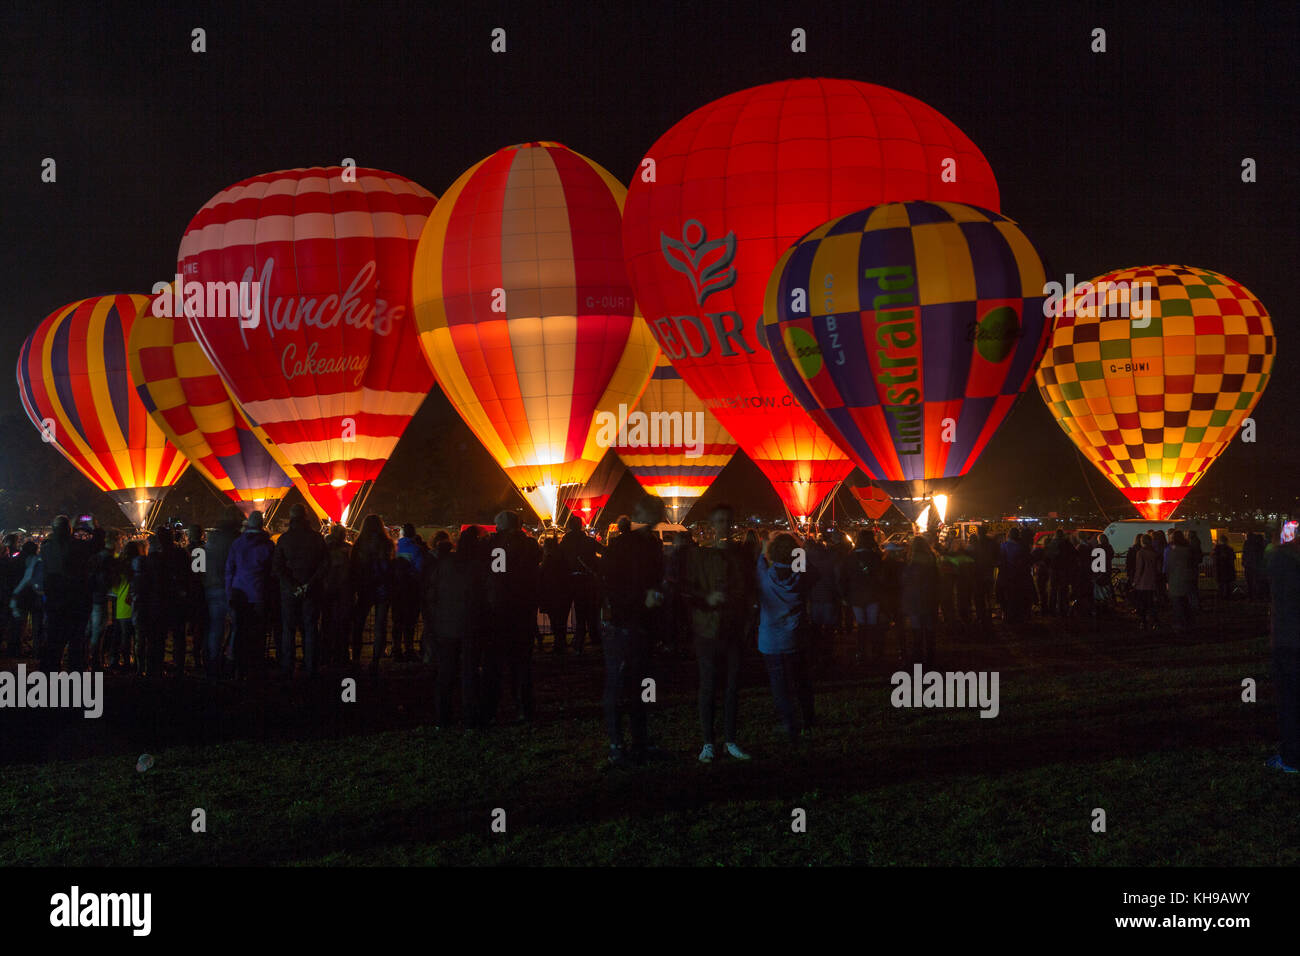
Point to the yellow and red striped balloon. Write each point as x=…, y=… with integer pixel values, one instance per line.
x=76, y=388
x=526, y=313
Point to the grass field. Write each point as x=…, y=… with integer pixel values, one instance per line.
x=1149, y=727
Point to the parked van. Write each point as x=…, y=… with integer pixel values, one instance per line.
x=1122, y=534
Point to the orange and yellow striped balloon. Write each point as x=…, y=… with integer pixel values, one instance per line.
x=75, y=386
x=1152, y=385
x=526, y=313
x=192, y=405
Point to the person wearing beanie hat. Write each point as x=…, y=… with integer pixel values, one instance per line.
x=248, y=580
x=218, y=650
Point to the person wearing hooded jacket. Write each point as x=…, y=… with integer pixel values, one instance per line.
x=248, y=584
x=299, y=564
x=783, y=587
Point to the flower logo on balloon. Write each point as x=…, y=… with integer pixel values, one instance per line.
x=688, y=255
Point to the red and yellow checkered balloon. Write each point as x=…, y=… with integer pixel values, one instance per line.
x=1151, y=371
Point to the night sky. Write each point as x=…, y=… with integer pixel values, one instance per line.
x=1107, y=160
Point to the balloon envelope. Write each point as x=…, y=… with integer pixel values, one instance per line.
x=331, y=370
x=682, y=463
x=734, y=183
x=526, y=314
x=1153, y=399
x=187, y=400
x=75, y=386
x=590, y=501
x=908, y=330
x=874, y=501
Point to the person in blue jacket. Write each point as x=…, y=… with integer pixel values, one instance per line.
x=783, y=584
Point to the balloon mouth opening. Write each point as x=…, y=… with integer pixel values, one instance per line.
x=1155, y=503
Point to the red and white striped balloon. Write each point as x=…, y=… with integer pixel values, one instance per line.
x=333, y=369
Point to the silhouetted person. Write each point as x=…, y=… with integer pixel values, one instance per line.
x=216, y=549
x=248, y=583
x=121, y=631
x=66, y=558
x=1181, y=578
x=632, y=571
x=407, y=570
x=28, y=600
x=1282, y=565
x=920, y=600
x=336, y=601
x=984, y=554
x=1225, y=568
x=582, y=555
x=180, y=584
x=861, y=579
x=103, y=560
x=713, y=588
x=511, y=588
x=454, y=603
x=1015, y=579
x=299, y=565
x=783, y=628
x=1252, y=563
x=150, y=587
x=823, y=602
x=372, y=579
x=1143, y=567
x=555, y=592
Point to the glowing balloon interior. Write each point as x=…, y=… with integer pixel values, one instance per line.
x=75, y=386
x=1152, y=399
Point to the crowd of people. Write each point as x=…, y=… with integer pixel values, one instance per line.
x=93, y=599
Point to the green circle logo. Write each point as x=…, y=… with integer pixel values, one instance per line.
x=803, y=348
x=996, y=334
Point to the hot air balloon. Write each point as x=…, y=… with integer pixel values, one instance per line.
x=907, y=331
x=526, y=314
x=723, y=193
x=323, y=355
x=75, y=387
x=588, y=503
x=187, y=400
x=678, y=471
x=874, y=501
x=1151, y=370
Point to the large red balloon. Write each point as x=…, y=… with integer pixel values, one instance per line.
x=333, y=370
x=730, y=187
